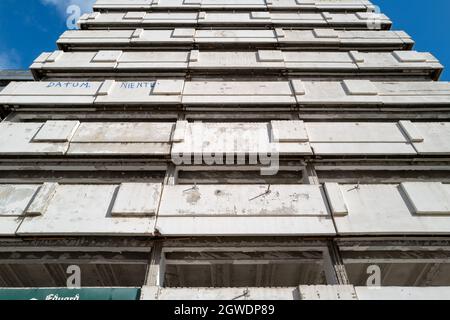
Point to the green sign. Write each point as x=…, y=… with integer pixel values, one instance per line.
x=70, y=294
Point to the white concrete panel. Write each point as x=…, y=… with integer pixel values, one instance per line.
x=107, y=56
x=428, y=198
x=75, y=61
x=143, y=92
x=335, y=199
x=14, y=199
x=377, y=132
x=230, y=18
x=235, y=36
x=123, y=132
x=57, y=92
x=362, y=149
x=318, y=61
x=436, y=138
x=324, y=292
x=236, y=60
x=169, y=36
x=403, y=293
x=9, y=225
x=130, y=4
x=383, y=210
x=289, y=131
x=383, y=60
x=154, y=60
x=243, y=200
x=220, y=139
x=411, y=131
x=176, y=4
x=171, y=18
x=245, y=226
x=158, y=293
x=16, y=139
x=414, y=92
x=137, y=199
x=333, y=93
x=39, y=204
x=122, y=149
x=83, y=210
x=56, y=131
x=237, y=92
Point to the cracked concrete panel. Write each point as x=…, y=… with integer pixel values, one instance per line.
x=16, y=139
x=245, y=200
x=214, y=141
x=384, y=210
x=14, y=199
x=84, y=210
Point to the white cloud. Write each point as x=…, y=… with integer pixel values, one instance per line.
x=9, y=59
x=62, y=5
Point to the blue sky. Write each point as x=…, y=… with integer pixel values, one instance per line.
x=29, y=27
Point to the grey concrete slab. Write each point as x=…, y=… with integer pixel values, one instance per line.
x=84, y=210
x=384, y=210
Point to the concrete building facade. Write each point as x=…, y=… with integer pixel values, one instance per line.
x=222, y=149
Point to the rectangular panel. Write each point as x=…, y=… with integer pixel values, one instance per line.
x=335, y=199
x=436, y=138
x=16, y=139
x=245, y=226
x=14, y=199
x=355, y=132
x=137, y=199
x=384, y=210
x=83, y=210
x=289, y=131
x=143, y=92
x=243, y=200
x=428, y=198
x=56, y=131
x=41, y=200
x=237, y=92
x=124, y=132
x=219, y=140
